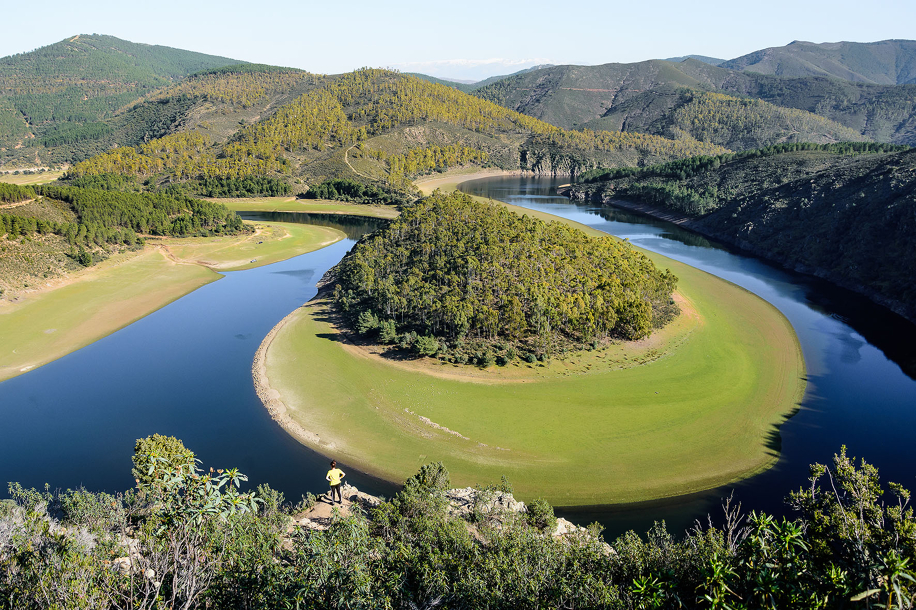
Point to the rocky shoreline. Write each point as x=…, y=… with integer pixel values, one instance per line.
x=271, y=397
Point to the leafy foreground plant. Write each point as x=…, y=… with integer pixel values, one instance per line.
x=186, y=538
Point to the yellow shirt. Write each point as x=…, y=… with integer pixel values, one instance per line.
x=334, y=476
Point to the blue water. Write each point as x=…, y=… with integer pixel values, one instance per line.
x=185, y=371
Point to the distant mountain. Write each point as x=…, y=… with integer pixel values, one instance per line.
x=460, y=86
x=84, y=79
x=493, y=79
x=277, y=129
x=631, y=96
x=469, y=86
x=713, y=61
x=888, y=62
x=733, y=122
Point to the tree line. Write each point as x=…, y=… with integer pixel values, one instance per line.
x=355, y=192
x=111, y=217
x=682, y=169
x=473, y=276
x=14, y=193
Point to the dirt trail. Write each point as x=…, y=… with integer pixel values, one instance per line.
x=353, y=169
x=16, y=204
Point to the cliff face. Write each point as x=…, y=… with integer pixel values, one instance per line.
x=543, y=162
x=850, y=221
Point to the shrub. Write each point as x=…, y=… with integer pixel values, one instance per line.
x=426, y=346
x=150, y=452
x=539, y=514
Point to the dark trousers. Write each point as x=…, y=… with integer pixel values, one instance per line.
x=335, y=489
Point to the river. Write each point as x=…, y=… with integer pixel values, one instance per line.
x=185, y=371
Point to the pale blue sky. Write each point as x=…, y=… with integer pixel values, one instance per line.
x=470, y=39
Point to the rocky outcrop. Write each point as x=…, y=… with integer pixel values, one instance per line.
x=465, y=503
x=549, y=162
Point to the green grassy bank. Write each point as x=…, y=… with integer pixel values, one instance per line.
x=702, y=411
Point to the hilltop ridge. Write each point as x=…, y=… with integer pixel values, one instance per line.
x=72, y=84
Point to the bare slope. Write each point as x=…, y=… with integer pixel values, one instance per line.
x=888, y=62
x=575, y=96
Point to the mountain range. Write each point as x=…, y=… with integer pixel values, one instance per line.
x=85, y=95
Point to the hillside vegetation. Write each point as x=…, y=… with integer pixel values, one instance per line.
x=431, y=546
x=846, y=217
x=634, y=96
x=888, y=62
x=732, y=122
x=452, y=271
x=378, y=126
x=58, y=90
x=49, y=230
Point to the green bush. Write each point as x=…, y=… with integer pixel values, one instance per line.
x=539, y=514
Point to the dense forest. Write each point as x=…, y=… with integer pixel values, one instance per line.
x=13, y=193
x=455, y=277
x=84, y=79
x=92, y=220
x=354, y=108
x=844, y=212
x=191, y=538
x=355, y=192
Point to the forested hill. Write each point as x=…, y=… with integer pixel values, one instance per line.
x=639, y=96
x=843, y=215
x=82, y=80
x=888, y=62
x=463, y=279
x=371, y=125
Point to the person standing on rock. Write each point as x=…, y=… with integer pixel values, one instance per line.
x=334, y=476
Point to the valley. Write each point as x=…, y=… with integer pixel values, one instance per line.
x=625, y=293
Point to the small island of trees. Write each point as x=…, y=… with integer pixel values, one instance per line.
x=473, y=282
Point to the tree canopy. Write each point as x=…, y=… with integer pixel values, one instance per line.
x=457, y=269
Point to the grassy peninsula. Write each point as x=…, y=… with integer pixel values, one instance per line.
x=695, y=405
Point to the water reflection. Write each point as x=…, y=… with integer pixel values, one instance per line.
x=352, y=226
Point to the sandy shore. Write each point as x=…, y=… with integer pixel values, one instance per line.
x=271, y=397
x=443, y=181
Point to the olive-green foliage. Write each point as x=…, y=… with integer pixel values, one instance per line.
x=13, y=193
x=847, y=215
x=355, y=192
x=201, y=543
x=240, y=85
x=540, y=515
x=150, y=450
x=106, y=182
x=691, y=166
x=645, y=94
x=343, y=111
x=61, y=91
x=455, y=268
x=248, y=186
x=431, y=158
x=93, y=220
x=163, y=213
